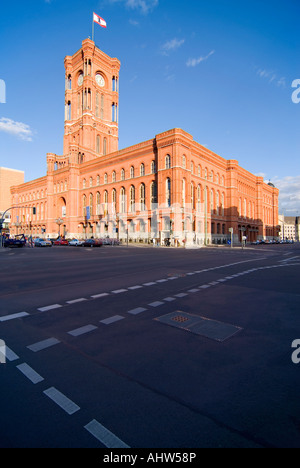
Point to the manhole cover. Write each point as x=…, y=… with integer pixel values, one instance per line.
x=202, y=326
x=180, y=319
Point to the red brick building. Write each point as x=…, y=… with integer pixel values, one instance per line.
x=167, y=187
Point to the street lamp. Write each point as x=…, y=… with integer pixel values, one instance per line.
x=59, y=221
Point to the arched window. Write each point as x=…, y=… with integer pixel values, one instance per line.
x=106, y=197
x=122, y=174
x=205, y=174
x=218, y=179
x=245, y=208
x=218, y=204
x=199, y=170
x=91, y=203
x=105, y=200
x=223, y=204
x=199, y=198
x=142, y=197
x=240, y=207
x=84, y=183
x=132, y=199
x=97, y=105
x=123, y=200
x=168, y=192
x=192, y=196
x=132, y=172
x=98, y=203
x=212, y=176
x=114, y=200
x=114, y=112
x=105, y=178
x=223, y=181
x=84, y=205
x=183, y=192
x=153, y=167
x=212, y=201
x=102, y=107
x=98, y=180
x=68, y=110
x=91, y=181
x=192, y=167
x=142, y=169
x=98, y=144
x=184, y=162
x=104, y=146
x=168, y=161
x=69, y=82
x=153, y=194
x=113, y=177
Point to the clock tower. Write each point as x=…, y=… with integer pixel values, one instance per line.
x=91, y=104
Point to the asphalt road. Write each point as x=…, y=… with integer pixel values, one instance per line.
x=149, y=347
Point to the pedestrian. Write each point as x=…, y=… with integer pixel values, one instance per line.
x=154, y=241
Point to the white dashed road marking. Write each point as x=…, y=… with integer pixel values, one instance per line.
x=82, y=330
x=33, y=376
x=75, y=301
x=43, y=344
x=51, y=307
x=113, y=319
x=61, y=400
x=13, y=316
x=97, y=296
x=10, y=355
x=119, y=291
x=104, y=436
x=155, y=304
x=137, y=311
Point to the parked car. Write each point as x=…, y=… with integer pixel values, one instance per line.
x=110, y=241
x=42, y=243
x=92, y=243
x=61, y=242
x=19, y=241
x=76, y=243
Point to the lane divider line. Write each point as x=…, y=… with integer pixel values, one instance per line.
x=61, y=400
x=33, y=376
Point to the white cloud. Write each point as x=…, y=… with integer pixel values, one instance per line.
x=289, y=194
x=144, y=6
x=18, y=129
x=172, y=45
x=272, y=77
x=134, y=23
x=193, y=62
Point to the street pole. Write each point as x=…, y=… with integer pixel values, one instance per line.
x=205, y=203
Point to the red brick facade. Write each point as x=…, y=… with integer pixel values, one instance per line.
x=167, y=187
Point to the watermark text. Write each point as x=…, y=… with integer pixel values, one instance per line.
x=296, y=353
x=2, y=352
x=296, y=93
x=2, y=92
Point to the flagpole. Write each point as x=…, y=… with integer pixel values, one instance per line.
x=93, y=29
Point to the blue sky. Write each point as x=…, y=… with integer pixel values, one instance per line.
x=222, y=70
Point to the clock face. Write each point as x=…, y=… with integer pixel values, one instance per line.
x=80, y=79
x=100, y=80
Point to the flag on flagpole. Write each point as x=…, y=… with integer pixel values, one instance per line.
x=97, y=19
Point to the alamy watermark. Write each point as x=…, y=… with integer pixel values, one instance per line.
x=2, y=92
x=296, y=93
x=296, y=353
x=2, y=352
